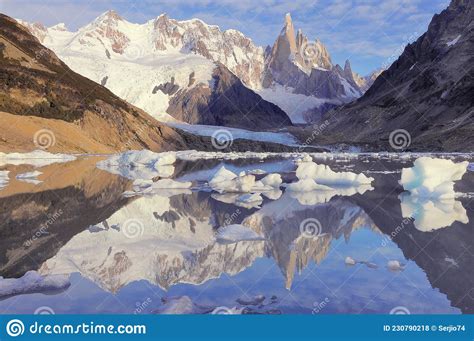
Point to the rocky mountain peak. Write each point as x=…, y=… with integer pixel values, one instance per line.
x=110, y=16
x=60, y=27
x=347, y=67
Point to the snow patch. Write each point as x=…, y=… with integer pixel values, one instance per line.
x=454, y=41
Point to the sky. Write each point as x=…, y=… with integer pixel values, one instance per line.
x=370, y=33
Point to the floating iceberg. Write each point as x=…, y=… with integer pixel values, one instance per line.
x=32, y=282
x=395, y=265
x=37, y=158
x=272, y=180
x=236, y=233
x=350, y=261
x=142, y=164
x=432, y=178
x=226, y=181
x=432, y=213
x=324, y=175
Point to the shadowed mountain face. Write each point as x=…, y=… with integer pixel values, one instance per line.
x=36, y=87
x=227, y=103
x=428, y=91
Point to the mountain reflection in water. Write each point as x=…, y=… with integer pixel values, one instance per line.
x=124, y=252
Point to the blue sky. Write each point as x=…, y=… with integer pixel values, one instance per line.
x=369, y=33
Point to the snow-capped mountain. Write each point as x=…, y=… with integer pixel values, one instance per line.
x=300, y=66
x=159, y=64
x=151, y=64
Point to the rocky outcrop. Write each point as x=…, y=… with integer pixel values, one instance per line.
x=427, y=91
x=306, y=68
x=38, y=87
x=228, y=102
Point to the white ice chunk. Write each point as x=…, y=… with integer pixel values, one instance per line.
x=272, y=180
x=227, y=181
x=37, y=158
x=142, y=164
x=32, y=282
x=236, y=233
x=350, y=261
x=432, y=178
x=394, y=265
x=324, y=175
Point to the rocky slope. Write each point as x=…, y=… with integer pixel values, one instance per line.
x=428, y=91
x=165, y=60
x=304, y=67
x=38, y=90
x=228, y=103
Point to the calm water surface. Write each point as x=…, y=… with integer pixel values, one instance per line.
x=137, y=254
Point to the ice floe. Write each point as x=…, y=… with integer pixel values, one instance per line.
x=432, y=178
x=350, y=261
x=32, y=282
x=324, y=175
x=142, y=164
x=37, y=158
x=226, y=181
x=236, y=233
x=395, y=265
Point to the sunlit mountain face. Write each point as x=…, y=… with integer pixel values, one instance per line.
x=125, y=250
